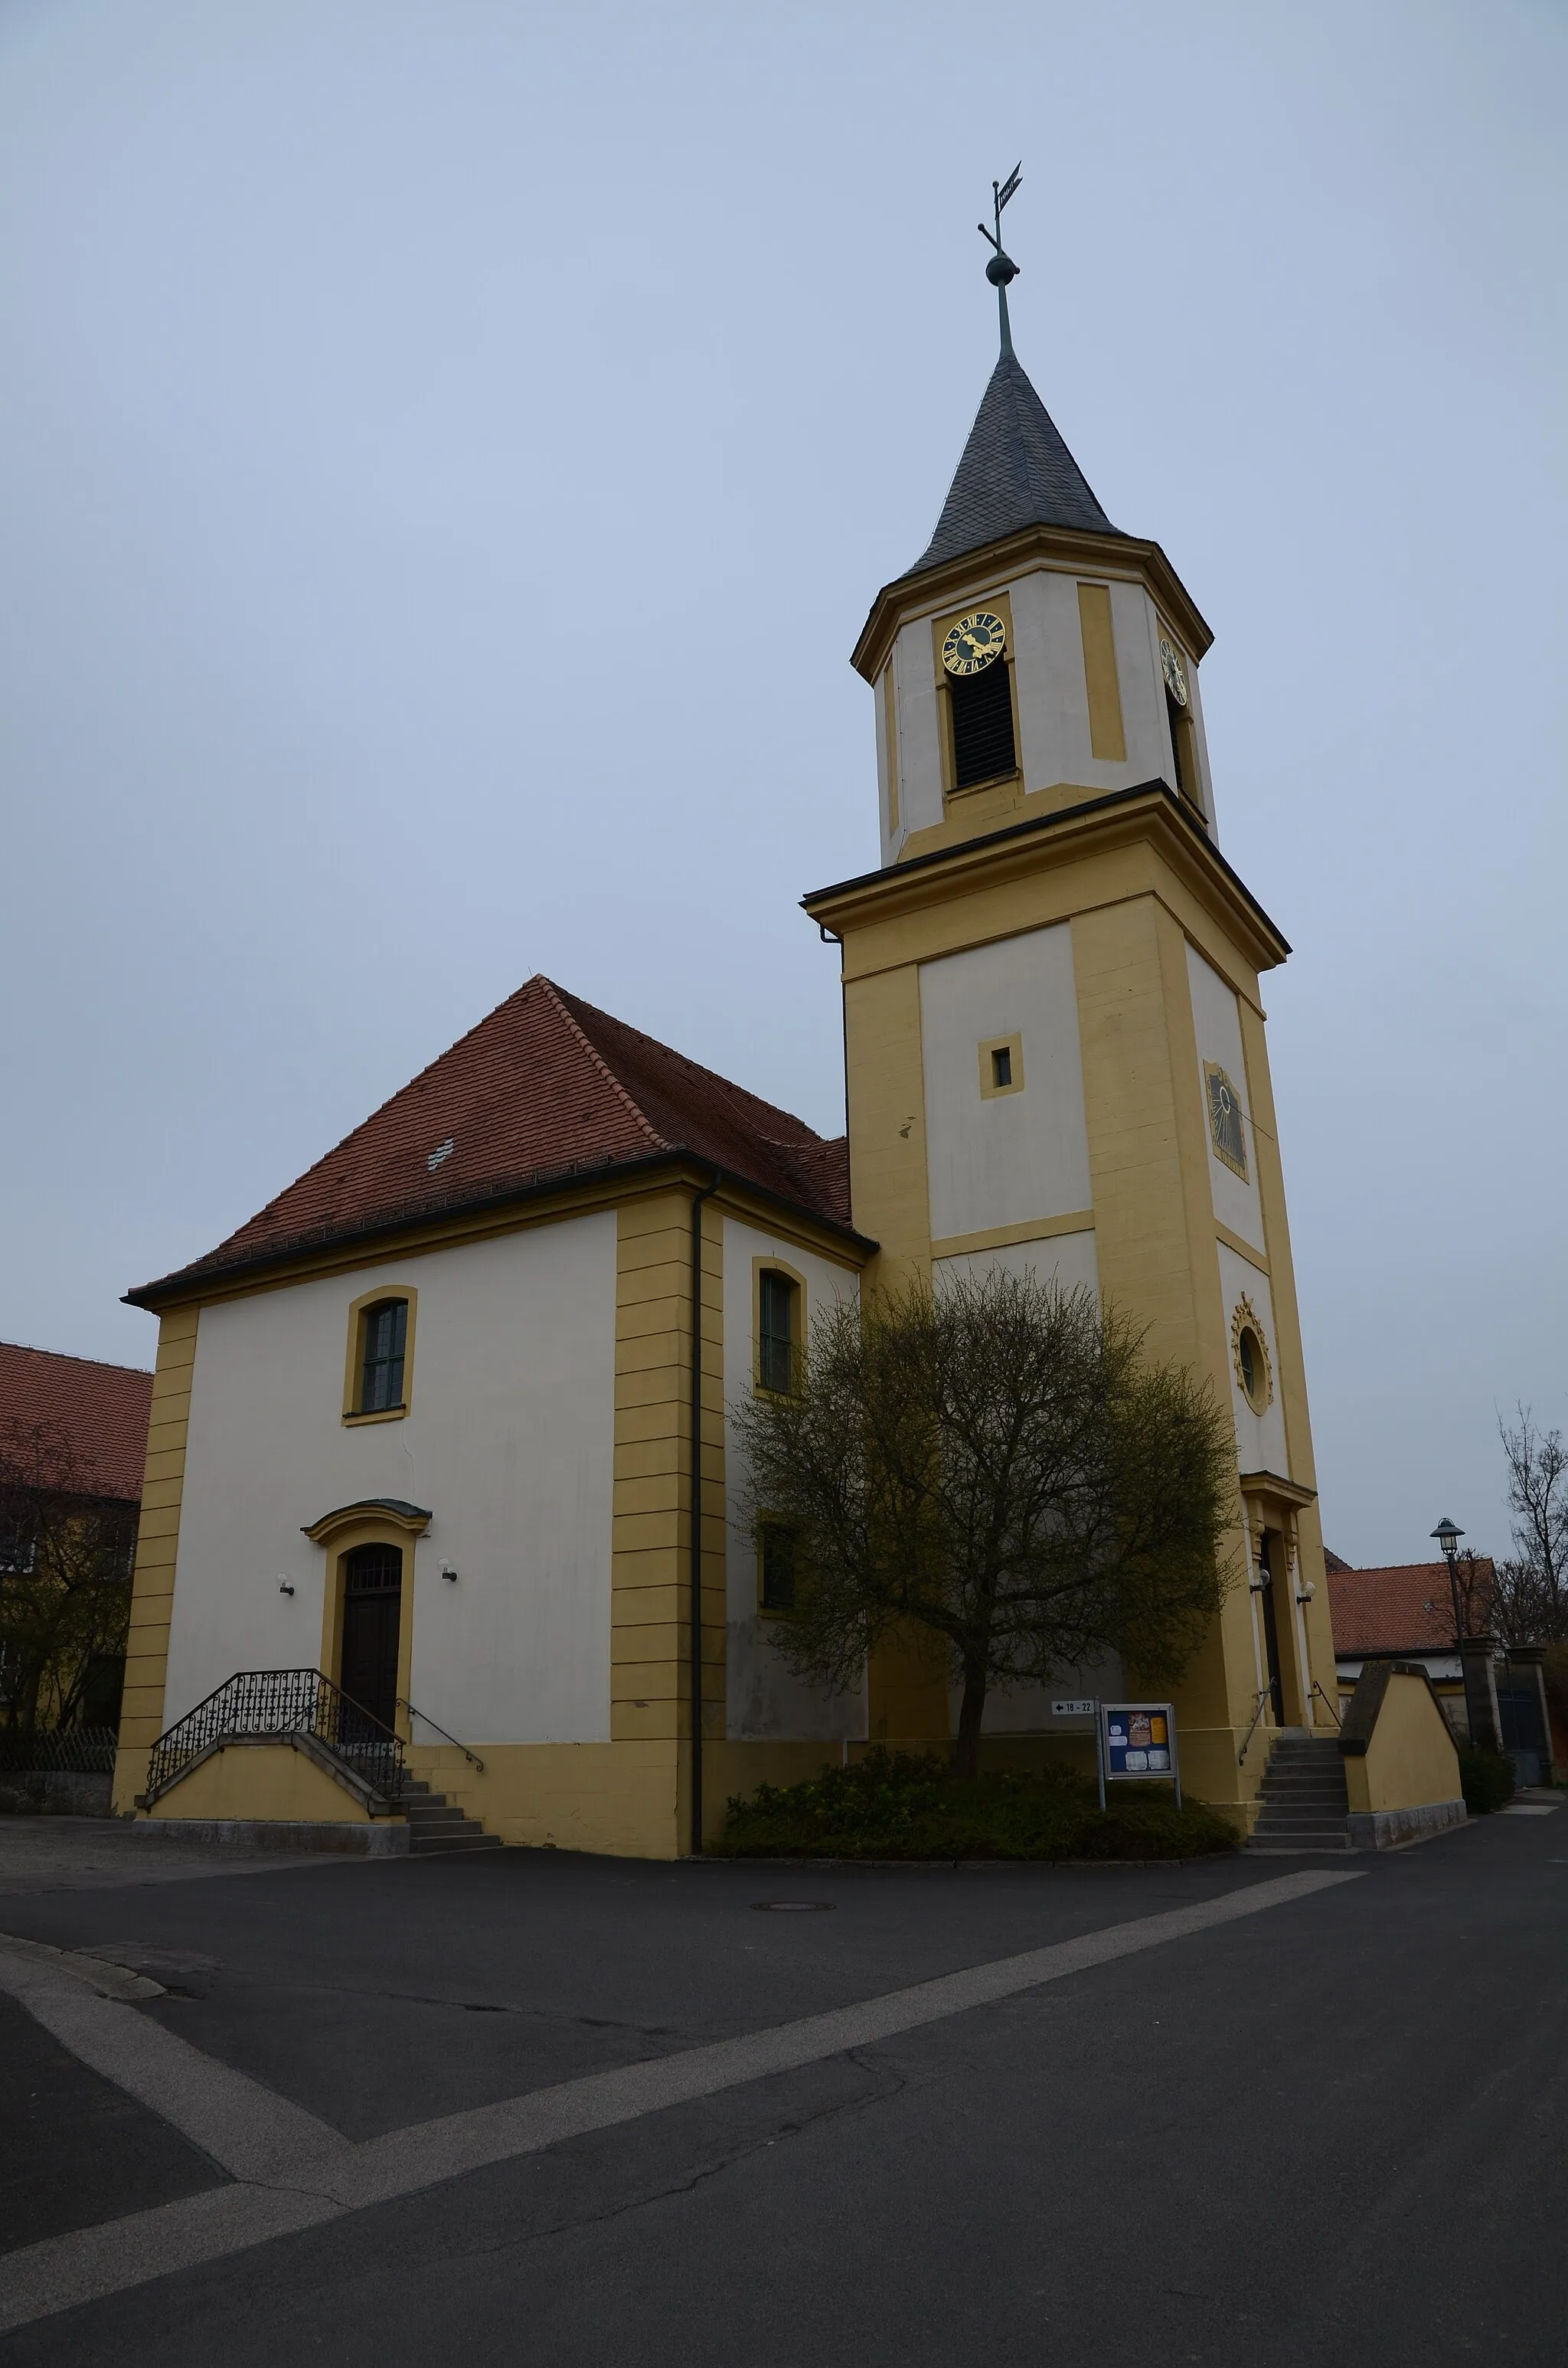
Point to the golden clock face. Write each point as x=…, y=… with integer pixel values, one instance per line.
x=975, y=642
x=1174, y=671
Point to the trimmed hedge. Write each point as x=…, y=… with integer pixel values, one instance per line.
x=1486, y=1778
x=904, y=1804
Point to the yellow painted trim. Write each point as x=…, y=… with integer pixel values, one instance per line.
x=374, y=1530
x=157, y=1547
x=1243, y=1249
x=1245, y=1318
x=759, y=1266
x=1011, y=782
x=1003, y=1237
x=1108, y=739
x=422, y=1236
x=890, y=737
x=354, y=1367
x=1099, y=855
x=1038, y=549
x=650, y=1694
x=355, y=1515
x=1014, y=1046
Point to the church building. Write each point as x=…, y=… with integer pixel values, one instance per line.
x=442, y=1483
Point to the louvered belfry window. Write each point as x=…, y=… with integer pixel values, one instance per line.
x=983, y=725
x=386, y=1333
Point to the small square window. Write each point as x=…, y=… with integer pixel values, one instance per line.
x=1001, y=1066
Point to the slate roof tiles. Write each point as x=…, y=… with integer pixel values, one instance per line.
x=1016, y=472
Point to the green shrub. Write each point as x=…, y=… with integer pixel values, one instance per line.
x=902, y=1804
x=1487, y=1779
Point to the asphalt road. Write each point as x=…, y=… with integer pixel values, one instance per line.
x=1329, y=2130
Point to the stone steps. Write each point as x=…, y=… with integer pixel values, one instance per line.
x=434, y=1824
x=1303, y=1801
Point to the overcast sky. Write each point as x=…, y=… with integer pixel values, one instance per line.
x=451, y=448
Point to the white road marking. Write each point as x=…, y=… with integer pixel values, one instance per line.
x=292, y=2171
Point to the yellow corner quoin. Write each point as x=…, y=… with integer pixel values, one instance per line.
x=157, y=1545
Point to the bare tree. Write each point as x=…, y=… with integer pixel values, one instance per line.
x=1531, y=1597
x=65, y=1556
x=998, y=1466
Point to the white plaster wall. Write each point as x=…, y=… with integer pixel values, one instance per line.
x=1066, y=1258
x=1260, y=1438
x=919, y=731
x=764, y=1699
x=1005, y=1159
x=892, y=839
x=508, y=1440
x=1216, y=1020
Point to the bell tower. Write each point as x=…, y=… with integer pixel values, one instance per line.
x=1054, y=1017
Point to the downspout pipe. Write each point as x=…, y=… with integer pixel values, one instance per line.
x=696, y=1201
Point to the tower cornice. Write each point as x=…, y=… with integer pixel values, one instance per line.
x=932, y=588
x=1149, y=814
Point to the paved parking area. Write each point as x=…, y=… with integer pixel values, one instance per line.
x=529, y=2107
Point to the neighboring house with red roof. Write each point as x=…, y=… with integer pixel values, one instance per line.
x=1405, y=1611
x=72, y=1449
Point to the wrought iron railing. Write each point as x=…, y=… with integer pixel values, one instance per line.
x=58, y=1751
x=279, y=1702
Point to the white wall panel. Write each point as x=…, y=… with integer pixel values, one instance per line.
x=1260, y=1438
x=1066, y=1258
x=508, y=1440
x=919, y=735
x=1010, y=1158
x=1217, y=1024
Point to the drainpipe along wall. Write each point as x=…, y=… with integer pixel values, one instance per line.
x=696, y=1201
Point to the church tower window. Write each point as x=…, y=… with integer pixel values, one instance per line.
x=981, y=706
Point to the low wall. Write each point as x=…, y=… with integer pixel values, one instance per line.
x=57, y=1791
x=1401, y=1770
x=388, y=1838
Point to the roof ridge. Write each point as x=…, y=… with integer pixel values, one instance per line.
x=714, y=1076
x=557, y=997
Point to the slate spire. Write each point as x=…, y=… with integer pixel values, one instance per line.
x=1016, y=470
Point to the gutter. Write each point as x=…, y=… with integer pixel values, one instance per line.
x=197, y=1283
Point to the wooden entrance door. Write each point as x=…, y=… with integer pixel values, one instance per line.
x=373, y=1620
x=1271, y=1628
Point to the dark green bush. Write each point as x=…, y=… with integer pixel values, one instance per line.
x=1487, y=1779
x=902, y=1804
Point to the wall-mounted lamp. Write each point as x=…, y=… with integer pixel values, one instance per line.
x=285, y=1587
x=447, y=1572
x=1308, y=1588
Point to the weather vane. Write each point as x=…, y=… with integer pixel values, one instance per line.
x=1002, y=268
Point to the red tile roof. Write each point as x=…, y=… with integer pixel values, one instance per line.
x=100, y=1412
x=1401, y=1608
x=545, y=1090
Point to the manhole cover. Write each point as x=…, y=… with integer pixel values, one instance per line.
x=791, y=1906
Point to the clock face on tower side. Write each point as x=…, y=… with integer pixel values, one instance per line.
x=975, y=642
x=1174, y=671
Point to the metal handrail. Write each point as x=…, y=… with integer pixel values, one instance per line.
x=414, y=1712
x=277, y=1704
x=1327, y=1704
x=1264, y=1694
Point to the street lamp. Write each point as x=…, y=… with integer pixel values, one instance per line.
x=1448, y=1537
